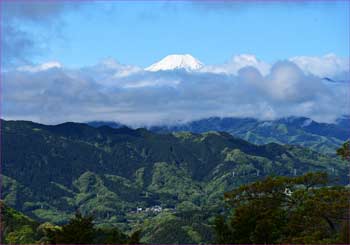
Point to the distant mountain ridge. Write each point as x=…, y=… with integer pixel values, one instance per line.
x=111, y=124
x=322, y=137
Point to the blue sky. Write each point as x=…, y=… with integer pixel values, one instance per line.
x=141, y=32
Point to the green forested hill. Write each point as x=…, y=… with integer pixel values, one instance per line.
x=51, y=171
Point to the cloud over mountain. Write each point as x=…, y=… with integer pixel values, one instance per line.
x=327, y=65
x=237, y=62
x=245, y=86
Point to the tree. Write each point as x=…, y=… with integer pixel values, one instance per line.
x=134, y=237
x=286, y=210
x=21, y=236
x=79, y=230
x=110, y=236
x=223, y=231
x=47, y=232
x=344, y=151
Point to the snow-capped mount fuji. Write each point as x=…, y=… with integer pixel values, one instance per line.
x=176, y=62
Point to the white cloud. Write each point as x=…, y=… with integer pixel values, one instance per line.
x=237, y=62
x=108, y=72
x=112, y=91
x=328, y=65
x=287, y=82
x=41, y=67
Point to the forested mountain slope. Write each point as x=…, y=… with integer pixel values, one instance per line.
x=51, y=171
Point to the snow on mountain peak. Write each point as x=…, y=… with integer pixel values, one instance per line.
x=176, y=61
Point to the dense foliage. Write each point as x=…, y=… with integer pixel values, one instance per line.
x=20, y=229
x=15, y=227
x=81, y=230
x=287, y=210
